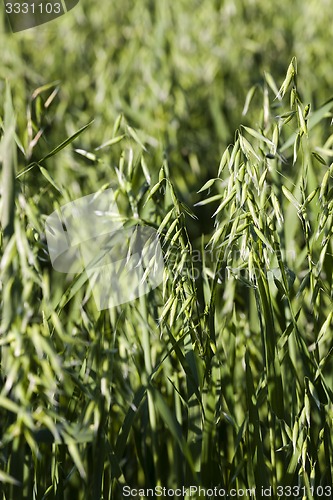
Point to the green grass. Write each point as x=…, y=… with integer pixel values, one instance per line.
x=221, y=376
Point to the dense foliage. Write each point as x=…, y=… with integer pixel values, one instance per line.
x=222, y=376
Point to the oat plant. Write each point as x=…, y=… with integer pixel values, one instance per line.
x=221, y=376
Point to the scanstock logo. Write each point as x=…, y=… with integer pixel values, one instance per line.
x=27, y=14
x=122, y=258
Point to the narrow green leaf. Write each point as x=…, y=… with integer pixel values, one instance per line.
x=50, y=179
x=66, y=142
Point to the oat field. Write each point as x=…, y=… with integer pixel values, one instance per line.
x=212, y=124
